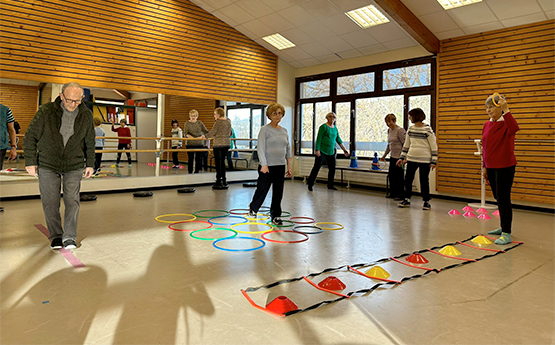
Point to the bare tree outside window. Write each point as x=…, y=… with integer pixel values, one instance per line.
x=357, y=83
x=315, y=88
x=406, y=77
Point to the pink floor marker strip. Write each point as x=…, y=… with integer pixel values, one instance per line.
x=67, y=254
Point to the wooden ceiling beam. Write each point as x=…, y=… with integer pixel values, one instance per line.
x=123, y=94
x=410, y=23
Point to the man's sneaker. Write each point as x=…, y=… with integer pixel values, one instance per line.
x=56, y=244
x=70, y=244
x=404, y=203
x=504, y=239
x=277, y=221
x=252, y=214
x=426, y=206
x=495, y=232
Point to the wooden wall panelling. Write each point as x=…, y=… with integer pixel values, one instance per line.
x=156, y=46
x=22, y=100
x=519, y=63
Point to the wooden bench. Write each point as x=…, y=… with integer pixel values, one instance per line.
x=363, y=170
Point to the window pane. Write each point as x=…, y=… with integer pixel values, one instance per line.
x=402, y=78
x=256, y=124
x=423, y=102
x=307, y=115
x=371, y=130
x=315, y=88
x=240, y=121
x=343, y=123
x=357, y=83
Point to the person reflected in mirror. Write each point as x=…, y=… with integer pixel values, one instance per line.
x=419, y=153
x=274, y=153
x=177, y=134
x=194, y=129
x=98, y=144
x=232, y=146
x=498, y=149
x=328, y=136
x=58, y=146
x=8, y=138
x=395, y=141
x=123, y=144
x=221, y=133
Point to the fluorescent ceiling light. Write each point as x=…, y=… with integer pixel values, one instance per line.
x=279, y=41
x=108, y=102
x=449, y=4
x=367, y=16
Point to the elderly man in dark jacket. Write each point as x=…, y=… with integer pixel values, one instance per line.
x=58, y=146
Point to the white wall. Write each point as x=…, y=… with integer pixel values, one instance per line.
x=145, y=120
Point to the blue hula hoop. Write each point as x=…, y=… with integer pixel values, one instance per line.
x=238, y=250
x=243, y=220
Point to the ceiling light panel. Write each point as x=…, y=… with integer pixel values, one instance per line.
x=367, y=16
x=449, y=4
x=279, y=41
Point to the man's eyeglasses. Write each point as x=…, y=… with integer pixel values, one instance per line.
x=73, y=101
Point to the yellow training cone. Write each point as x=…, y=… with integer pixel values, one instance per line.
x=378, y=272
x=450, y=250
x=481, y=240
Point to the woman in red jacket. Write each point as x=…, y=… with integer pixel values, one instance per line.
x=123, y=131
x=498, y=147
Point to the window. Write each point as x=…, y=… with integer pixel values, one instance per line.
x=246, y=120
x=343, y=123
x=406, y=77
x=358, y=83
x=423, y=102
x=371, y=130
x=315, y=88
x=307, y=127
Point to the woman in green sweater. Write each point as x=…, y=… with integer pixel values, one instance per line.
x=325, y=148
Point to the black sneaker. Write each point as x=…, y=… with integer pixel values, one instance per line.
x=252, y=214
x=70, y=244
x=277, y=221
x=310, y=187
x=56, y=244
x=426, y=206
x=404, y=203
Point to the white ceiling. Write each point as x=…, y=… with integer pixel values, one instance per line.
x=323, y=33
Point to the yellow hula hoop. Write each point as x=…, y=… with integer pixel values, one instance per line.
x=319, y=224
x=262, y=214
x=252, y=232
x=493, y=98
x=174, y=221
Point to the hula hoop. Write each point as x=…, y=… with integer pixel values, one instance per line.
x=297, y=232
x=235, y=211
x=310, y=227
x=212, y=239
x=252, y=232
x=243, y=220
x=285, y=215
x=236, y=238
x=190, y=221
x=174, y=214
x=323, y=228
x=493, y=98
x=262, y=214
x=310, y=220
x=196, y=213
x=281, y=226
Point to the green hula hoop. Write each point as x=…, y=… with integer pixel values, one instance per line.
x=212, y=239
x=291, y=223
x=196, y=214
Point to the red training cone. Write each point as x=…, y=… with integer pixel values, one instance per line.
x=496, y=213
x=482, y=210
x=417, y=259
x=484, y=216
x=454, y=212
x=467, y=208
x=332, y=283
x=281, y=305
x=469, y=214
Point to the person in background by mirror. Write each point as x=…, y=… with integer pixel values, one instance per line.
x=59, y=145
x=395, y=140
x=123, y=144
x=194, y=129
x=221, y=132
x=8, y=137
x=328, y=136
x=176, y=143
x=98, y=144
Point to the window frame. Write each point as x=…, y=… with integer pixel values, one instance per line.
x=378, y=92
x=252, y=107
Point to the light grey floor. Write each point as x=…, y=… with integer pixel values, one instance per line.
x=146, y=284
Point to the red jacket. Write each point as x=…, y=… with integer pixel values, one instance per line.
x=498, y=142
x=123, y=132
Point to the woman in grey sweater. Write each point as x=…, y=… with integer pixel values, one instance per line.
x=274, y=152
x=194, y=129
x=221, y=132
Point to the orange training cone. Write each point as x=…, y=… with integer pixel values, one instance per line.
x=332, y=283
x=281, y=305
x=416, y=259
x=378, y=272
